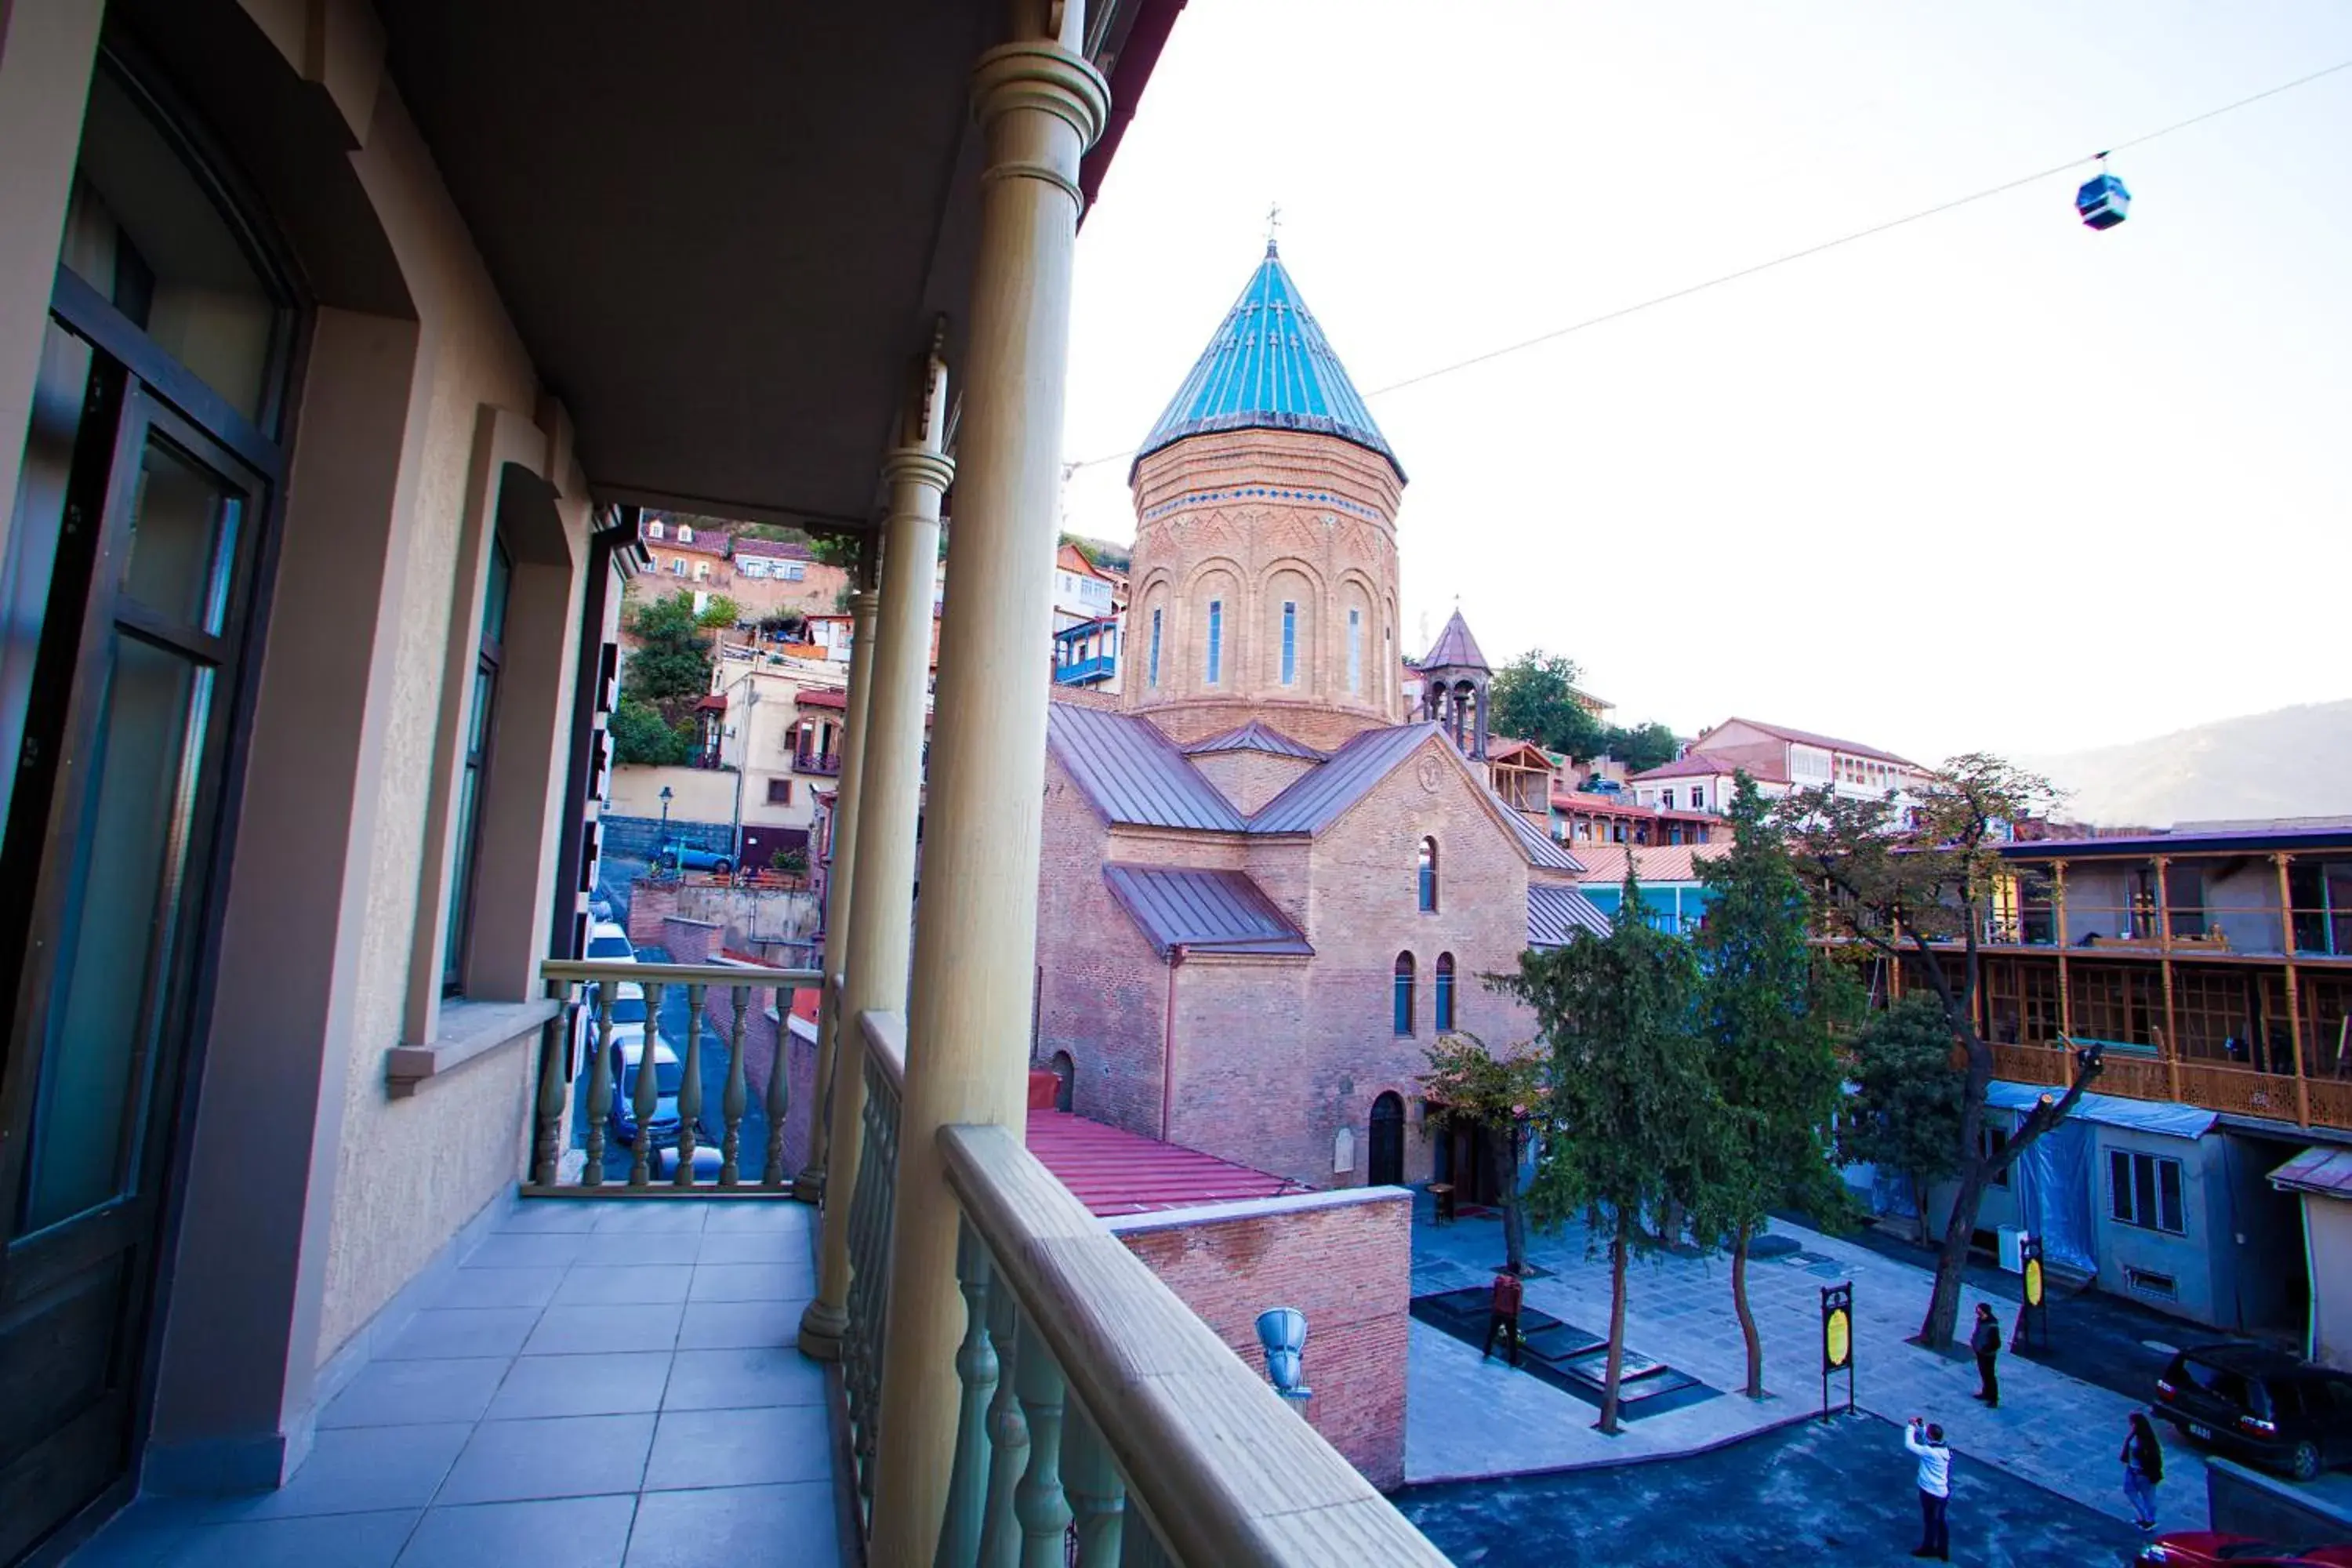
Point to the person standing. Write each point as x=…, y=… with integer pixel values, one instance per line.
x=1985, y=1343
x=2143, y=1459
x=1925, y=1441
x=1502, y=1313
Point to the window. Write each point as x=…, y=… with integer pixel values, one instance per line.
x=702, y=571
x=1991, y=1142
x=751, y=566
x=1289, y=642
x=1666, y=799
x=1428, y=867
x=480, y=714
x=2144, y=1191
x=1355, y=651
x=678, y=566
x=792, y=571
x=685, y=535
x=780, y=792
x=1403, y=1008
x=1698, y=797
x=652, y=531
x=1154, y=676
x=1216, y=639
x=1441, y=1018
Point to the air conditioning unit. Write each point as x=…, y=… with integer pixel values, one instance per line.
x=2012, y=1250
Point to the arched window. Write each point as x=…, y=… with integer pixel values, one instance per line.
x=653, y=530
x=685, y=535
x=1216, y=640
x=1403, y=1020
x=1289, y=643
x=1155, y=647
x=1355, y=652
x=1442, y=1001
x=1066, y=1074
x=1429, y=876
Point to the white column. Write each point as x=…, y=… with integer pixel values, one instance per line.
x=1041, y=104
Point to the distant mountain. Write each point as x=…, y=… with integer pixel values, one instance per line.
x=2296, y=762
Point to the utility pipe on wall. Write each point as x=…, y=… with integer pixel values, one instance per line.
x=1177, y=953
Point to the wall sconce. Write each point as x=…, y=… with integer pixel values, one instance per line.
x=1282, y=1332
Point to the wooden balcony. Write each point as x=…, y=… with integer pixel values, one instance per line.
x=2209, y=1086
x=1098, y=1421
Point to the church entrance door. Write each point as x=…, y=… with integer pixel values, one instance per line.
x=1388, y=1141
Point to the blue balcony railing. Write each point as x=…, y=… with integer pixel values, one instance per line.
x=1085, y=671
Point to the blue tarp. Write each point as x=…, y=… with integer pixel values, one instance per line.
x=2053, y=1178
x=2111, y=1110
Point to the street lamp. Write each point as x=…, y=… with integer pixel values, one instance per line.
x=661, y=843
x=1282, y=1332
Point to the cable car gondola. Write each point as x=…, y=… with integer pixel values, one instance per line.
x=2104, y=199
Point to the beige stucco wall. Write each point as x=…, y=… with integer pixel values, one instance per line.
x=2327, y=1232
x=411, y=1171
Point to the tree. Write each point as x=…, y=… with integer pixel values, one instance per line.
x=1534, y=699
x=1904, y=1114
x=670, y=666
x=1629, y=1107
x=639, y=736
x=1640, y=748
x=719, y=613
x=841, y=549
x=1468, y=1086
x=1921, y=880
x=1770, y=1007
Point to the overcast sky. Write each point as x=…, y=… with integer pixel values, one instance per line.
x=1990, y=480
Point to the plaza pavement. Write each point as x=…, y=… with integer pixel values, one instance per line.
x=1466, y=1417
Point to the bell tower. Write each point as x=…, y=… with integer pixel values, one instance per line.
x=1264, y=573
x=1454, y=688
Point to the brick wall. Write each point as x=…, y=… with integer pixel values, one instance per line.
x=688, y=941
x=1250, y=779
x=1346, y=1262
x=650, y=904
x=636, y=837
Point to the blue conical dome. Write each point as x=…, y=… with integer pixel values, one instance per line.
x=1268, y=368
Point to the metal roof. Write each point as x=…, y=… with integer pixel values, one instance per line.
x=1115, y=1172
x=1132, y=774
x=1657, y=863
x=1555, y=913
x=2246, y=841
x=1455, y=648
x=1317, y=800
x=1256, y=737
x=2324, y=1171
x=1206, y=912
x=1268, y=368
x=1541, y=847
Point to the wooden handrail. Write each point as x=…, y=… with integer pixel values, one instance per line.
x=1224, y=1471
x=886, y=1042
x=587, y=972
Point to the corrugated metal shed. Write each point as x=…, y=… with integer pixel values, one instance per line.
x=1316, y=800
x=1114, y=1172
x=1208, y=912
x=2327, y=1171
x=1256, y=737
x=1605, y=863
x=1555, y=914
x=1132, y=774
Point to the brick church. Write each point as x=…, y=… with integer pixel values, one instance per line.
x=1267, y=887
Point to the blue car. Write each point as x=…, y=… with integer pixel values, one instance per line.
x=685, y=858
x=669, y=1075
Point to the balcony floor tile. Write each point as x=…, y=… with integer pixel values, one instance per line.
x=694, y=1448
x=578, y=1533
x=416, y=1393
x=611, y=1383
x=730, y=1325
x=753, y=1282
x=792, y=1523
x=569, y=1455
x=740, y=1379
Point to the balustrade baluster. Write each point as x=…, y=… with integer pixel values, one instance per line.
x=646, y=1099
x=882, y=1140
x=689, y=1089
x=1096, y=1491
x=600, y=1087
x=733, y=1101
x=1037, y=1501
x=1140, y=1548
x=778, y=1103
x=1008, y=1436
x=975, y=1364
x=547, y=1144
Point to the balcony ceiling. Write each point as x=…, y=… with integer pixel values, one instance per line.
x=723, y=229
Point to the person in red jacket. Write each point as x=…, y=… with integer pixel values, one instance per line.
x=1503, y=1315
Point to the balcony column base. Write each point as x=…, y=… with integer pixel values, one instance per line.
x=808, y=1187
x=822, y=1328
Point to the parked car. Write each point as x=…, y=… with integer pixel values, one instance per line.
x=2219, y=1549
x=686, y=857
x=608, y=944
x=2261, y=1404
x=669, y=1075
x=628, y=1014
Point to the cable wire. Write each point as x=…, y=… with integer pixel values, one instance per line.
x=1811, y=250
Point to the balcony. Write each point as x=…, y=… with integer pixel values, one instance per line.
x=1085, y=671
x=823, y=764
x=2323, y=1101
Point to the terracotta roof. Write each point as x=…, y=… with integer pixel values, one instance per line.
x=1707, y=765
x=1313, y=801
x=1114, y=1172
x=715, y=703
x=1207, y=911
x=1070, y=558
x=1605, y=863
x=772, y=550
x=822, y=697
x=1828, y=742
x=704, y=542
x=1256, y=737
x=1555, y=914
x=1133, y=773
x=1455, y=648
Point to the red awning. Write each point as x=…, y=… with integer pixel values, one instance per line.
x=714, y=704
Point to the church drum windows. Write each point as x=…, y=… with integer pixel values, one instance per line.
x=1427, y=876
x=1154, y=674
x=1403, y=1007
x=1355, y=653
x=1289, y=642
x=1216, y=640
x=1442, y=995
